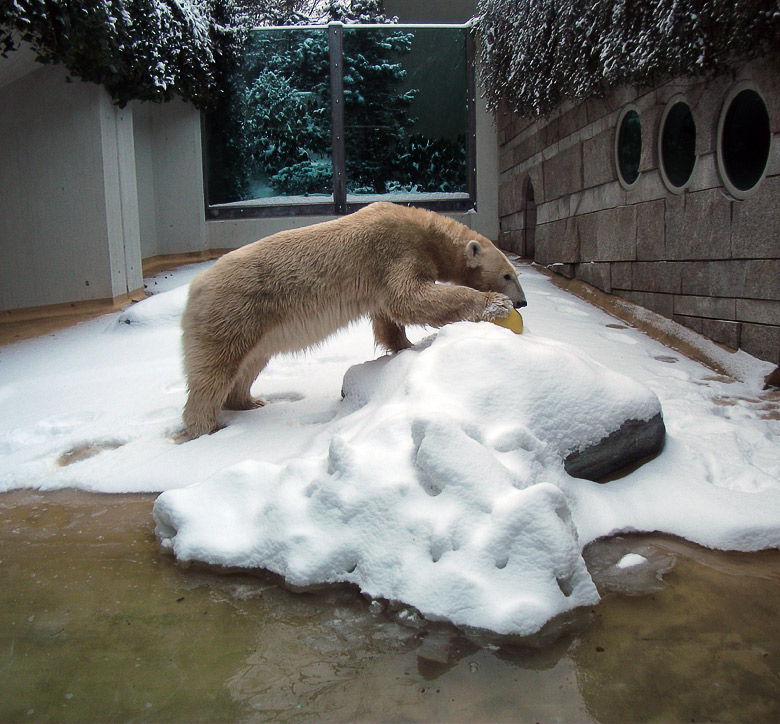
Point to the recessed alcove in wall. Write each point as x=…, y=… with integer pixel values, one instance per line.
x=529, y=219
x=744, y=140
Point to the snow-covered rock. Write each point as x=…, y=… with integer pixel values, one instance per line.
x=439, y=485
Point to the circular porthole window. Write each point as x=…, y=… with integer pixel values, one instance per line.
x=628, y=147
x=677, y=145
x=744, y=140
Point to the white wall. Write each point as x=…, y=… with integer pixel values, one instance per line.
x=486, y=221
x=63, y=186
x=168, y=159
x=144, y=169
x=121, y=195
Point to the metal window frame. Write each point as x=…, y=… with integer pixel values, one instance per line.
x=340, y=203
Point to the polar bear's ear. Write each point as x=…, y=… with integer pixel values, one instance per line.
x=473, y=253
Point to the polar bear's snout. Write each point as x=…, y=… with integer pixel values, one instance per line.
x=514, y=291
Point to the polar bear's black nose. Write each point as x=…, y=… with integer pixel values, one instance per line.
x=521, y=304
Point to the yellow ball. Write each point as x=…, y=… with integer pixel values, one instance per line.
x=514, y=321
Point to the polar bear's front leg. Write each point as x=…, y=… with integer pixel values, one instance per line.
x=439, y=304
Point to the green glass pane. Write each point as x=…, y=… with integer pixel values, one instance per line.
x=406, y=110
x=270, y=136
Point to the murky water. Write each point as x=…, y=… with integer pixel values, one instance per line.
x=97, y=626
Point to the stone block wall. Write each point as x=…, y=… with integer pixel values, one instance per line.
x=700, y=257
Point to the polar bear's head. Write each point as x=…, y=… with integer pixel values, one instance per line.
x=488, y=270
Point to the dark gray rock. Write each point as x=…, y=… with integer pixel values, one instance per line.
x=632, y=441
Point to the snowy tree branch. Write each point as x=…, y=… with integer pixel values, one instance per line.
x=535, y=54
x=137, y=49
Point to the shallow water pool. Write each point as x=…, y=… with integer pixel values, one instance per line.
x=98, y=626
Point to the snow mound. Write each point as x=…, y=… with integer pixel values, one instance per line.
x=159, y=309
x=440, y=483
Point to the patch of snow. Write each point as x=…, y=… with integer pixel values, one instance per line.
x=300, y=200
x=160, y=308
x=411, y=197
x=631, y=560
x=400, y=197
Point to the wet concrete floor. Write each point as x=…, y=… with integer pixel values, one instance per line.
x=97, y=626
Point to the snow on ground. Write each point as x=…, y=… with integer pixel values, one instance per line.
x=436, y=480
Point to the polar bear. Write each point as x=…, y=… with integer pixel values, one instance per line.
x=293, y=289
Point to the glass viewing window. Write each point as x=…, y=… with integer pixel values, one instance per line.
x=269, y=140
x=326, y=119
x=406, y=112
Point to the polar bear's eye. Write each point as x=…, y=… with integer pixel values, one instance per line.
x=508, y=277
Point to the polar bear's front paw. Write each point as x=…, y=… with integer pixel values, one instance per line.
x=496, y=306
